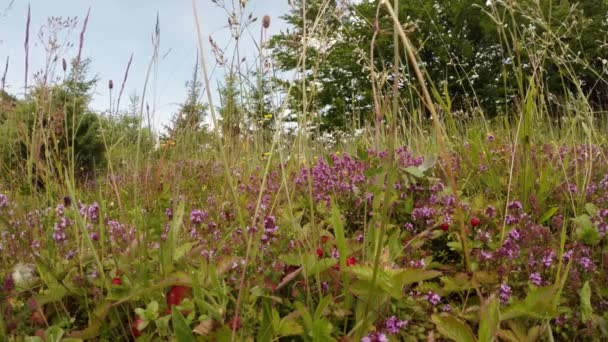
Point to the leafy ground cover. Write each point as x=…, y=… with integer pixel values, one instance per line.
x=366, y=245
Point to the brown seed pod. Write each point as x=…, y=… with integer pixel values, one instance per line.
x=266, y=21
x=110, y=84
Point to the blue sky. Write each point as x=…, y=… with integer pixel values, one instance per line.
x=118, y=28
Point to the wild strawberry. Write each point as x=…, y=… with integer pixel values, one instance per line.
x=234, y=323
x=319, y=252
x=351, y=260
x=116, y=281
x=177, y=294
x=445, y=226
x=135, y=327
x=475, y=221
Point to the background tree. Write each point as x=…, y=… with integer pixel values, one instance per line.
x=188, y=121
x=53, y=130
x=479, y=52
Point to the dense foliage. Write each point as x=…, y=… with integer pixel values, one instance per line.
x=480, y=53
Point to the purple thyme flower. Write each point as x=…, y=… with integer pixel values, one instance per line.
x=490, y=211
x=510, y=219
x=548, y=258
x=433, y=298
x=3, y=201
x=335, y=254
x=198, y=216
x=536, y=279
x=92, y=212
x=515, y=205
x=394, y=325
x=514, y=234
x=586, y=263
x=423, y=213
x=485, y=256
x=504, y=293
x=60, y=209
x=375, y=337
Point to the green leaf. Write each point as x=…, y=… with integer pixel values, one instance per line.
x=489, y=320
x=548, y=214
x=585, y=230
x=182, y=251
x=322, y=306
x=427, y=164
x=338, y=226
x=390, y=281
x=414, y=171
x=586, y=308
x=169, y=249
x=457, y=283
x=54, y=334
x=289, y=327
x=453, y=328
x=591, y=209
x=265, y=331
x=541, y=303
x=182, y=331
x=321, y=330
x=414, y=275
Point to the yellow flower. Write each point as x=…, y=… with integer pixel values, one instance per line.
x=267, y=116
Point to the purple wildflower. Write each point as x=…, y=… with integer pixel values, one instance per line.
x=433, y=298
x=548, y=258
x=515, y=205
x=586, y=263
x=394, y=325
x=198, y=216
x=375, y=337
x=514, y=234
x=60, y=210
x=423, y=213
x=335, y=254
x=485, y=256
x=3, y=201
x=92, y=212
x=536, y=279
x=504, y=293
x=490, y=211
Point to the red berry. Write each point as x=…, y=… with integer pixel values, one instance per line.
x=319, y=252
x=445, y=226
x=177, y=294
x=116, y=281
x=134, y=330
x=351, y=261
x=324, y=238
x=475, y=221
x=234, y=323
